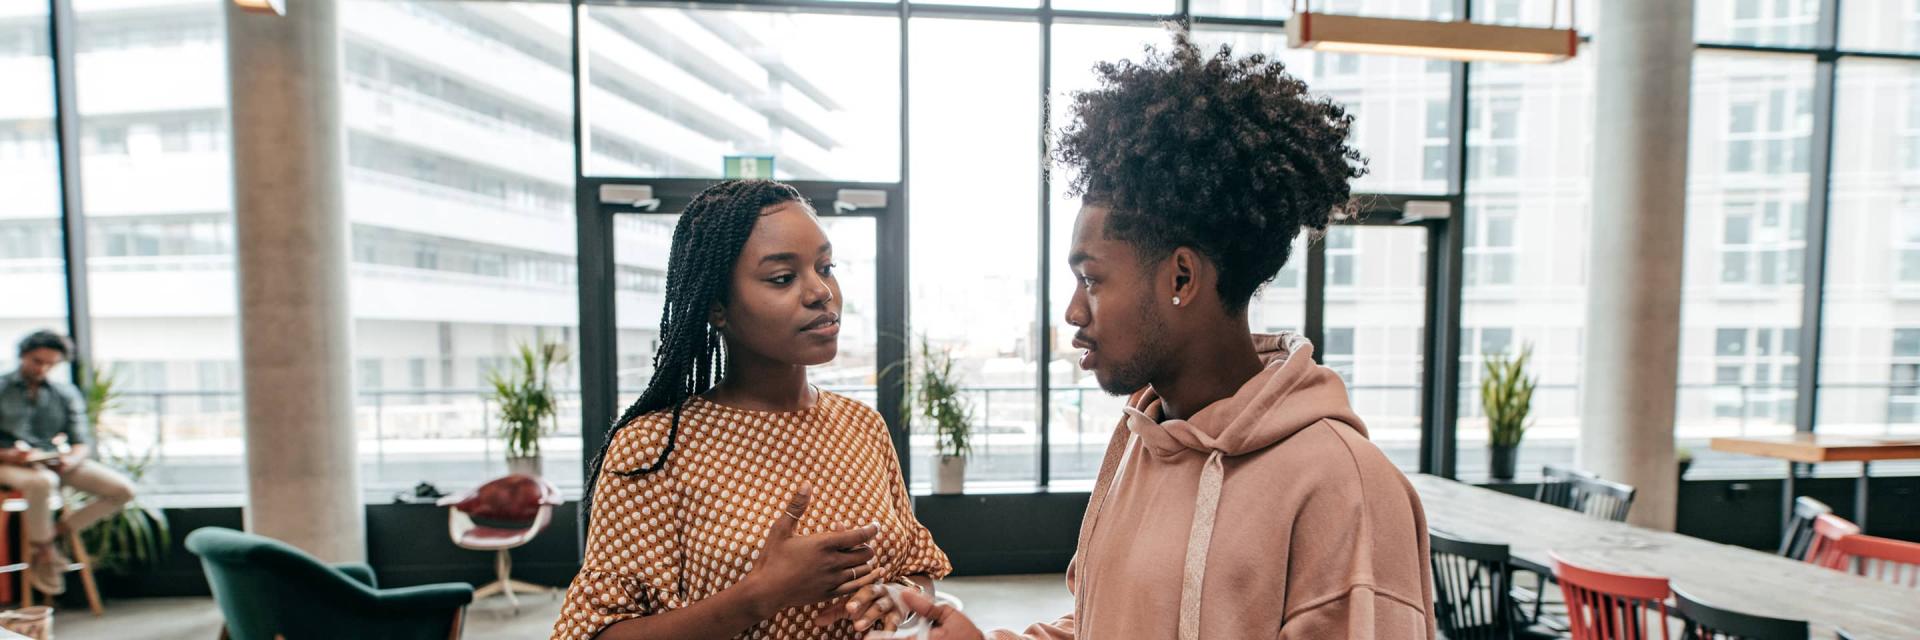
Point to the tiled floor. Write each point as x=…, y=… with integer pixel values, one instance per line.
x=997, y=601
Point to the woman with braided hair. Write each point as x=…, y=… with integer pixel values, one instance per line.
x=734, y=499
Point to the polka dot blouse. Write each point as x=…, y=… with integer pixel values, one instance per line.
x=665, y=540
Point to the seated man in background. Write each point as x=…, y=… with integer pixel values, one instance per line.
x=34, y=410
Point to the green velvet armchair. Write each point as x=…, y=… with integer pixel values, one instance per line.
x=267, y=589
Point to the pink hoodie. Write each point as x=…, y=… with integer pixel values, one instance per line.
x=1268, y=514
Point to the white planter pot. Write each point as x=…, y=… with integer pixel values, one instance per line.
x=949, y=474
x=525, y=465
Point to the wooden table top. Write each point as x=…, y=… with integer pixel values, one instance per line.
x=1814, y=447
x=1718, y=574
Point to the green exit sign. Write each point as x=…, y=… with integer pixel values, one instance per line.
x=749, y=167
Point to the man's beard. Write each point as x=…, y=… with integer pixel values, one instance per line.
x=1134, y=374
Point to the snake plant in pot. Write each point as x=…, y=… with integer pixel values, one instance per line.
x=137, y=536
x=523, y=394
x=936, y=395
x=1506, y=393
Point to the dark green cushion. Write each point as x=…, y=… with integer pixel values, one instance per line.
x=267, y=587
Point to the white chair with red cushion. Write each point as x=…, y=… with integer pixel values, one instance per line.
x=502, y=514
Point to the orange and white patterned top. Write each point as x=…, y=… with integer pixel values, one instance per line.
x=664, y=540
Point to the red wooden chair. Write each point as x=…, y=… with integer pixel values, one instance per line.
x=1611, y=606
x=1891, y=561
x=1824, y=549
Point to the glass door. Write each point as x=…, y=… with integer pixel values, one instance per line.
x=1374, y=329
x=1375, y=290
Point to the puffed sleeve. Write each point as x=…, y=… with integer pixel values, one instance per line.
x=633, y=560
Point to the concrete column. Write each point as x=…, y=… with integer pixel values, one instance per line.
x=296, y=337
x=1645, y=52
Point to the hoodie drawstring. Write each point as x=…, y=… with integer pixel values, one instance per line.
x=1205, y=506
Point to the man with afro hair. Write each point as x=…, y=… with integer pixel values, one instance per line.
x=1239, y=496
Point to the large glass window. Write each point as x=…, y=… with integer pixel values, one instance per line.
x=641, y=246
x=1747, y=195
x=459, y=188
x=1281, y=9
x=1493, y=134
x=1490, y=247
x=1529, y=13
x=1870, y=342
x=1281, y=307
x=156, y=172
x=1529, y=199
x=1881, y=25
x=1777, y=23
x=1375, y=323
x=1117, y=6
x=460, y=192
x=674, y=92
x=32, y=272
x=1083, y=409
x=975, y=204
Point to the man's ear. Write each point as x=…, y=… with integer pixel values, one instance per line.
x=1185, y=273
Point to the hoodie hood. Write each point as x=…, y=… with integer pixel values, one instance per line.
x=1291, y=393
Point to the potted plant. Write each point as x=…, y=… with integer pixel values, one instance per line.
x=1506, y=393
x=524, y=395
x=1684, y=457
x=137, y=536
x=936, y=396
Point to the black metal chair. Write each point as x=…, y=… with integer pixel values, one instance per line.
x=1798, y=537
x=1557, y=486
x=1605, y=499
x=1707, y=622
x=1584, y=492
x=1470, y=589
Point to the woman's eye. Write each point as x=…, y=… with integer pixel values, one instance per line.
x=827, y=270
x=782, y=279
x=1086, y=282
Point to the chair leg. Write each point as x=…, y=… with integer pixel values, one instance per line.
x=459, y=616
x=488, y=590
x=521, y=586
x=85, y=559
x=26, y=555
x=503, y=566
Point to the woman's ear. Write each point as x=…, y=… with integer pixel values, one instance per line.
x=717, y=316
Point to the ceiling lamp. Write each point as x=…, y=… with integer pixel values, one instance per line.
x=1455, y=40
x=276, y=7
